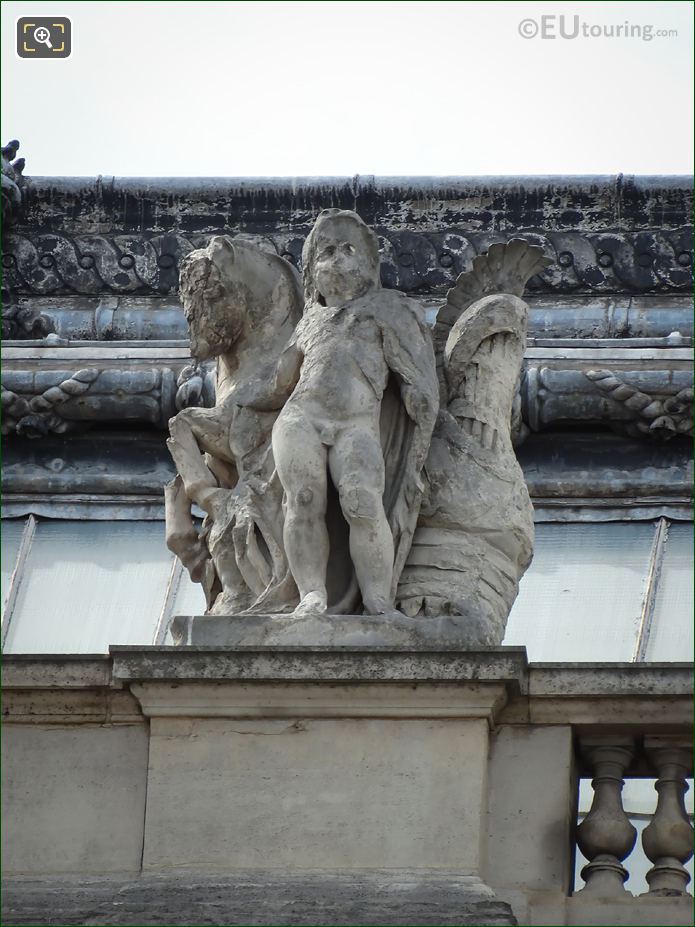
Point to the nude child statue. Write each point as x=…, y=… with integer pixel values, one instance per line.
x=331, y=381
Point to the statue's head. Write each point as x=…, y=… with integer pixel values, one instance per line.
x=214, y=310
x=235, y=288
x=340, y=258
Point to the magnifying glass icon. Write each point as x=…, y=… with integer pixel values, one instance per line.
x=43, y=36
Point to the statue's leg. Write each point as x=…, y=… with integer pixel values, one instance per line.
x=194, y=431
x=181, y=535
x=357, y=469
x=300, y=460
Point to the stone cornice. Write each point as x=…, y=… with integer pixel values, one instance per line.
x=320, y=664
x=496, y=683
x=199, y=204
x=604, y=234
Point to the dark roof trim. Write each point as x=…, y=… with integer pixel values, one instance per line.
x=257, y=204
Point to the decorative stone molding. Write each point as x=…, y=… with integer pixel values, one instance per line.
x=646, y=393
x=416, y=262
x=55, y=690
x=672, y=416
x=570, y=475
x=603, y=234
x=91, y=264
x=502, y=666
x=36, y=416
x=20, y=322
x=13, y=183
x=581, y=694
x=37, y=403
x=149, y=382
x=17, y=322
x=644, y=321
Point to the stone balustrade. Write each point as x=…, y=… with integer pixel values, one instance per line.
x=668, y=840
x=444, y=779
x=606, y=836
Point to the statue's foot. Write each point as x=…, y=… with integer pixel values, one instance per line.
x=389, y=613
x=313, y=603
x=229, y=604
x=381, y=608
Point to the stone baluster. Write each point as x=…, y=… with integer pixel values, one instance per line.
x=606, y=835
x=668, y=838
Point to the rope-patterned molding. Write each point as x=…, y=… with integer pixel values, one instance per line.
x=643, y=403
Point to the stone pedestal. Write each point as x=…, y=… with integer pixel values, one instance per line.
x=333, y=759
x=360, y=631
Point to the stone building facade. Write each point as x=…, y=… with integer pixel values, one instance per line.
x=147, y=783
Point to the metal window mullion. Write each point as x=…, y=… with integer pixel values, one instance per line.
x=649, y=601
x=169, y=599
x=17, y=575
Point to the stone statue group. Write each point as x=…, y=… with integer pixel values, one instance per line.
x=356, y=461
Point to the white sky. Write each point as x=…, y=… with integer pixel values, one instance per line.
x=340, y=88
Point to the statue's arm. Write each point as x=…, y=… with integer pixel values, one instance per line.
x=284, y=381
x=410, y=356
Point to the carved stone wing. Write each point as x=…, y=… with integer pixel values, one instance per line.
x=504, y=268
x=474, y=537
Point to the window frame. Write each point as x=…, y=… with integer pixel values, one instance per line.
x=17, y=576
x=660, y=522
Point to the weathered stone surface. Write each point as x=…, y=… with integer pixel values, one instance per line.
x=242, y=305
x=561, y=687
x=529, y=827
x=606, y=234
x=554, y=318
x=250, y=204
x=617, y=679
x=647, y=400
x=13, y=183
x=330, y=411
x=259, y=898
x=321, y=664
x=474, y=538
x=321, y=757
x=148, y=383
x=73, y=793
x=423, y=261
x=313, y=463
x=582, y=911
x=17, y=321
x=398, y=631
x=293, y=792
x=76, y=671
x=570, y=475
